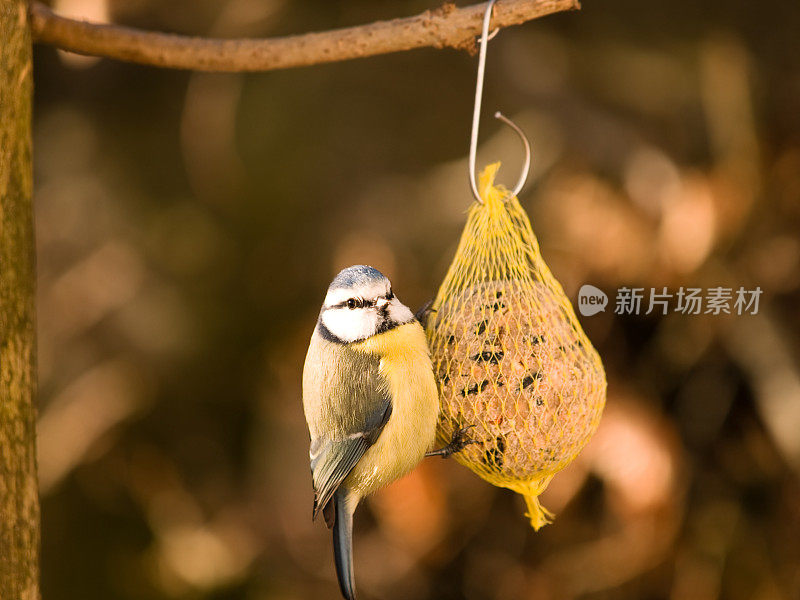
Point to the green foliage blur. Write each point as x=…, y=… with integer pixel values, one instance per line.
x=188, y=225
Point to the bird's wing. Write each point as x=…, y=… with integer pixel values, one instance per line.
x=332, y=460
x=347, y=411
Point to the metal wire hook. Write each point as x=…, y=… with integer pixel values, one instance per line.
x=476, y=114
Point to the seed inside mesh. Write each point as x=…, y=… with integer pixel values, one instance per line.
x=510, y=364
x=510, y=355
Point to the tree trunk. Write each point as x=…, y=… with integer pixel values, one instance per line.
x=19, y=501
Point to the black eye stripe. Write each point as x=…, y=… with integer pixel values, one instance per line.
x=352, y=303
x=361, y=302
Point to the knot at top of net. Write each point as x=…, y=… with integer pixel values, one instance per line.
x=492, y=196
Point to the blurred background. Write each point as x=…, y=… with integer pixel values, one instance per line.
x=188, y=225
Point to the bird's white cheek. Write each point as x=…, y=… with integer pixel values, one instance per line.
x=349, y=325
x=400, y=313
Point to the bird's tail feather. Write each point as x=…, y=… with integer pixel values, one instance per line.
x=345, y=504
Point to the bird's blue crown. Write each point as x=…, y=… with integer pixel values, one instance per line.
x=356, y=276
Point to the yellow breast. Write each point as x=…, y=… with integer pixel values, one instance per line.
x=406, y=366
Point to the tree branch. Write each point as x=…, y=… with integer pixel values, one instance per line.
x=19, y=498
x=446, y=26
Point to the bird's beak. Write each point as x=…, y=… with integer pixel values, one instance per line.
x=381, y=303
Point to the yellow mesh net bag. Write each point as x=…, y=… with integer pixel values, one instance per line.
x=510, y=355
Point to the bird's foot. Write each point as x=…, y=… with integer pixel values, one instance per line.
x=422, y=314
x=458, y=442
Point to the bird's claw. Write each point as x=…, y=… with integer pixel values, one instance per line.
x=458, y=442
x=422, y=314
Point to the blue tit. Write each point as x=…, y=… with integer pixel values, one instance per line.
x=370, y=400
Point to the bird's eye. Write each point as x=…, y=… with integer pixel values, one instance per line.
x=352, y=303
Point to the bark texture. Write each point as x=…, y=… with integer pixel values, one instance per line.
x=19, y=501
x=444, y=27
